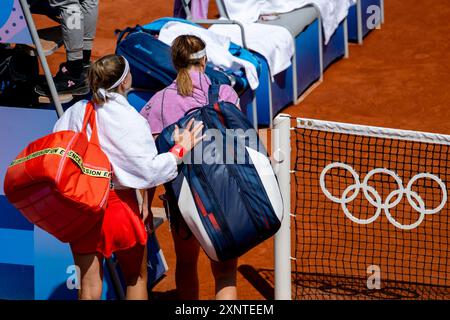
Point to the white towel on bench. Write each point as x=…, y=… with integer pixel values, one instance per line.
x=274, y=43
x=333, y=12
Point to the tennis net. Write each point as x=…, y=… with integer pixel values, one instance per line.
x=370, y=212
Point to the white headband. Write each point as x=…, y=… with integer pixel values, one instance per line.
x=104, y=92
x=198, y=54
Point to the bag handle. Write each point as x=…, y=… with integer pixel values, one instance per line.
x=120, y=34
x=213, y=93
x=213, y=98
x=89, y=117
x=216, y=108
x=191, y=110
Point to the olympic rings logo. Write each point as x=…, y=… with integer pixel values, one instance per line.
x=374, y=197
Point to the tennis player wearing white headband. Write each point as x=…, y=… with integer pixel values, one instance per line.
x=125, y=136
x=103, y=93
x=198, y=55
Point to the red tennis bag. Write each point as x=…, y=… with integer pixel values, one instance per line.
x=61, y=182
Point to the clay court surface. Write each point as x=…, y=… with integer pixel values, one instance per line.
x=398, y=79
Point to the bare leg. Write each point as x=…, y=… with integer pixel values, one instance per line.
x=186, y=277
x=91, y=277
x=133, y=264
x=225, y=277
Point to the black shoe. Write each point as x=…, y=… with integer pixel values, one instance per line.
x=66, y=83
x=86, y=67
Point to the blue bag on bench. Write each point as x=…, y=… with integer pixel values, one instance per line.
x=230, y=206
x=151, y=62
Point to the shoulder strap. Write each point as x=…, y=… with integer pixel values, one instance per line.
x=120, y=34
x=213, y=97
x=89, y=117
x=213, y=93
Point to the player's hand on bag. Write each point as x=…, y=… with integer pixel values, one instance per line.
x=189, y=137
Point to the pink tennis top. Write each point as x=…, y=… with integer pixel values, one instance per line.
x=167, y=106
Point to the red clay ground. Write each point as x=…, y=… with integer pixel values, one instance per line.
x=398, y=79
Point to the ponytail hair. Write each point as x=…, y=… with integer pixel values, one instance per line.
x=182, y=49
x=184, y=83
x=103, y=73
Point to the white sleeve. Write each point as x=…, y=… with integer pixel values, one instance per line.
x=135, y=159
x=72, y=119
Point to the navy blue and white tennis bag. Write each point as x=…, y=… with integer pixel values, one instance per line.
x=229, y=205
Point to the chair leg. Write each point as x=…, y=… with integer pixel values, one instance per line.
x=294, y=75
x=321, y=48
x=270, y=102
x=255, y=111
x=359, y=22
x=347, y=52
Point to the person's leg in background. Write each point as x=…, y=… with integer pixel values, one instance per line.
x=78, y=22
x=178, y=11
x=90, y=13
x=72, y=26
x=225, y=277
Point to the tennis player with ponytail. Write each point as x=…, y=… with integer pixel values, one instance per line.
x=126, y=139
x=188, y=91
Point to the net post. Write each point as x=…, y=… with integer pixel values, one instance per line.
x=281, y=155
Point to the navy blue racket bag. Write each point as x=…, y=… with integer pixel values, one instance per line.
x=226, y=189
